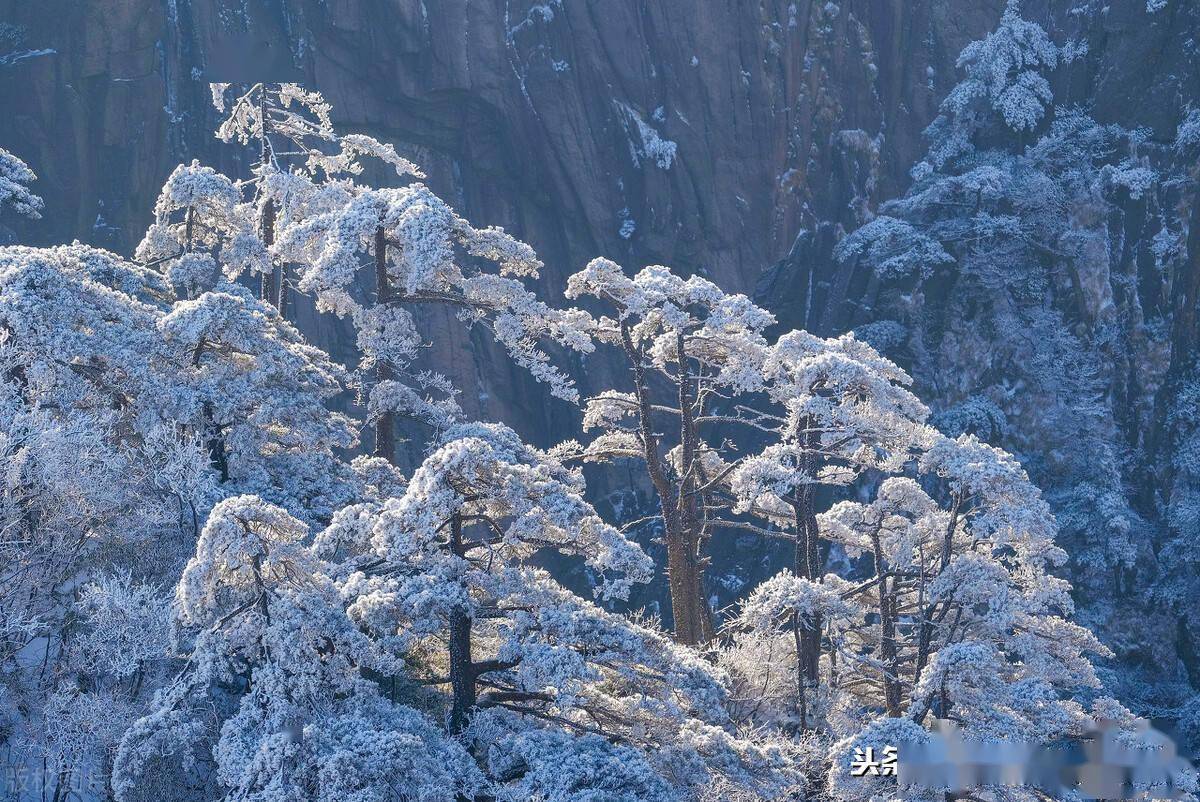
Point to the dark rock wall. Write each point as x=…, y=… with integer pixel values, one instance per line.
x=784, y=116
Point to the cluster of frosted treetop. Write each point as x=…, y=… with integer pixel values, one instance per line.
x=215, y=587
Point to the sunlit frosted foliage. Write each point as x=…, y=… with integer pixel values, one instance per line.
x=15, y=175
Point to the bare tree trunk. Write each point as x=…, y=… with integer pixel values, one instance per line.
x=268, y=291
x=214, y=441
x=801, y=680
x=808, y=566
x=689, y=609
x=385, y=427
x=217, y=455
x=283, y=290
x=930, y=613
x=887, y=634
x=684, y=579
x=691, y=517
x=462, y=668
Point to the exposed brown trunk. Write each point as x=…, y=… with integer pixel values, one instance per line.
x=189, y=223
x=887, y=650
x=808, y=565
x=268, y=290
x=282, y=306
x=385, y=427
x=462, y=669
x=214, y=440
x=689, y=610
x=691, y=518
x=930, y=613
x=217, y=454
x=801, y=680
x=887, y=633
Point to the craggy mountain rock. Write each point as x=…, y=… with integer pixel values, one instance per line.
x=1131, y=303
x=696, y=134
x=739, y=139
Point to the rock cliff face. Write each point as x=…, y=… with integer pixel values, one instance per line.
x=696, y=134
x=737, y=138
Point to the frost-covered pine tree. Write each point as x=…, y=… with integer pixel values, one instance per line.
x=1003, y=264
x=240, y=219
x=289, y=124
x=99, y=498
x=15, y=176
x=417, y=251
x=83, y=358
x=942, y=547
x=202, y=232
x=277, y=700
x=946, y=607
x=692, y=351
x=127, y=414
x=260, y=389
x=261, y=392
x=718, y=416
x=544, y=684
x=414, y=650
x=375, y=254
x=838, y=411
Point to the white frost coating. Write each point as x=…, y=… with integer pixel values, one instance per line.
x=549, y=662
x=628, y=224
x=116, y=399
x=1188, y=133
x=1006, y=73
x=894, y=248
x=350, y=630
x=986, y=555
x=829, y=412
x=433, y=256
x=325, y=228
x=14, y=194
x=644, y=141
